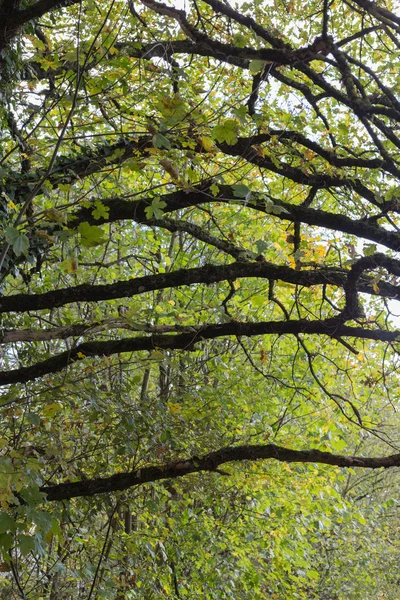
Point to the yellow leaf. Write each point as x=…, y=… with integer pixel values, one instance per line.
x=69, y=265
x=174, y=408
x=207, y=143
x=52, y=409
x=52, y=214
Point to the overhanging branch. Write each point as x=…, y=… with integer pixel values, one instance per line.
x=119, y=210
x=187, y=341
x=209, y=462
x=207, y=274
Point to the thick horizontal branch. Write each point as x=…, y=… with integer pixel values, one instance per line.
x=119, y=210
x=159, y=49
x=334, y=328
x=13, y=19
x=40, y=8
x=210, y=462
x=284, y=55
x=207, y=274
x=68, y=170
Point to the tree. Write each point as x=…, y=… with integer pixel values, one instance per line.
x=199, y=267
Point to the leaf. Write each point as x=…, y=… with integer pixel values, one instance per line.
x=255, y=66
x=91, y=235
x=313, y=574
x=41, y=518
x=275, y=209
x=160, y=141
x=7, y=523
x=116, y=155
x=49, y=410
x=6, y=542
x=26, y=543
x=240, y=190
x=207, y=143
x=226, y=132
x=100, y=211
x=18, y=241
x=64, y=235
x=262, y=246
x=174, y=408
x=369, y=249
x=54, y=215
x=214, y=189
x=33, y=418
x=155, y=209
x=69, y=265
x=32, y=495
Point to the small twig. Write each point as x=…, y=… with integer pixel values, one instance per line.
x=16, y=578
x=110, y=522
x=228, y=297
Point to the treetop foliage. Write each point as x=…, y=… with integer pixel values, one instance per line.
x=199, y=284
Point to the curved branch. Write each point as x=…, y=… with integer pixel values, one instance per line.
x=333, y=328
x=119, y=210
x=13, y=19
x=82, y=329
x=210, y=462
x=207, y=274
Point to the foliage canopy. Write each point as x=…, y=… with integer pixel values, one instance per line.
x=199, y=275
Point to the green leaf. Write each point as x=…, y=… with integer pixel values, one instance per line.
x=42, y=519
x=26, y=543
x=91, y=235
x=6, y=542
x=155, y=209
x=160, y=141
x=33, y=418
x=312, y=574
x=214, y=189
x=275, y=209
x=226, y=132
x=256, y=66
x=100, y=211
x=369, y=249
x=51, y=409
x=261, y=246
x=32, y=495
x=7, y=523
x=240, y=190
x=19, y=241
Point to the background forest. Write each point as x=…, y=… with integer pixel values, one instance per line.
x=200, y=212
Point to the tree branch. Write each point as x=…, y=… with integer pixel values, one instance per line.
x=332, y=327
x=207, y=274
x=119, y=210
x=210, y=462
